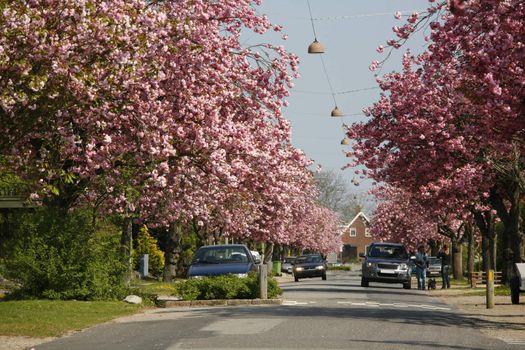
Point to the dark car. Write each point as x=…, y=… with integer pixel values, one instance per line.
x=387, y=263
x=306, y=266
x=434, y=266
x=214, y=260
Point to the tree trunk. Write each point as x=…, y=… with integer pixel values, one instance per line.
x=512, y=238
x=457, y=259
x=455, y=238
x=173, y=251
x=516, y=239
x=470, y=254
x=126, y=248
x=485, y=223
x=268, y=253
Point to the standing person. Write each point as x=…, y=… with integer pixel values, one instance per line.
x=421, y=267
x=444, y=254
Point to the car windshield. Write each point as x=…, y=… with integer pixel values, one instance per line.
x=309, y=259
x=387, y=252
x=434, y=261
x=288, y=260
x=220, y=255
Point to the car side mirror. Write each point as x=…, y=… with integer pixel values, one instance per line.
x=361, y=255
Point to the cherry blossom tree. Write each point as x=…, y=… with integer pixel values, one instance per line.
x=445, y=123
x=399, y=218
x=156, y=111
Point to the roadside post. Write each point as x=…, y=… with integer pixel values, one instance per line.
x=490, y=289
x=263, y=281
x=143, y=266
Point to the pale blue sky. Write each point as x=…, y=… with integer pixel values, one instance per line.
x=350, y=31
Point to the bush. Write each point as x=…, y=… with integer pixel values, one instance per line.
x=146, y=244
x=224, y=287
x=340, y=268
x=63, y=257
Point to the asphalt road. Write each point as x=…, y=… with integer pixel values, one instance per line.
x=333, y=314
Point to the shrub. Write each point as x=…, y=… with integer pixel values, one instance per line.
x=63, y=257
x=146, y=244
x=340, y=268
x=224, y=287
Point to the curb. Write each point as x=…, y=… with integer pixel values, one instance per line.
x=217, y=302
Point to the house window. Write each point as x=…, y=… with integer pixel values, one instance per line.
x=353, y=232
x=367, y=232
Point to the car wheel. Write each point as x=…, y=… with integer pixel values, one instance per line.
x=407, y=285
x=364, y=282
x=323, y=277
x=296, y=279
x=515, y=290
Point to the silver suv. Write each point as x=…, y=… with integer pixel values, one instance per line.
x=387, y=263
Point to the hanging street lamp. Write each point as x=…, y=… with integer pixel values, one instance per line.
x=315, y=47
x=336, y=112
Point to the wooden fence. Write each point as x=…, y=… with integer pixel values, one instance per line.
x=479, y=278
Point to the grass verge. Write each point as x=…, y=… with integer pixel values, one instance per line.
x=499, y=290
x=340, y=268
x=50, y=318
x=154, y=287
x=462, y=288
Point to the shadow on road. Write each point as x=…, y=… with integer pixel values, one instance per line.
x=396, y=315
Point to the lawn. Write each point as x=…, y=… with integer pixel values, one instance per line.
x=49, y=318
x=154, y=287
x=464, y=286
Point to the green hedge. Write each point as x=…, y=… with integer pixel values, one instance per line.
x=224, y=287
x=59, y=256
x=340, y=268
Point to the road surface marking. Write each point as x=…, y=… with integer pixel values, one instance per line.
x=293, y=303
x=512, y=341
x=400, y=305
x=240, y=326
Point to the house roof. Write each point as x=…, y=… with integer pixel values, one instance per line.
x=360, y=214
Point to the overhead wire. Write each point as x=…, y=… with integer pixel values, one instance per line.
x=336, y=18
x=336, y=93
x=321, y=55
x=311, y=19
x=328, y=79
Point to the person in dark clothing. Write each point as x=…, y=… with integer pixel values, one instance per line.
x=444, y=254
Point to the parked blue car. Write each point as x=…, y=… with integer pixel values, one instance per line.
x=224, y=259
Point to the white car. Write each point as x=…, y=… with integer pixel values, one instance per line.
x=256, y=256
x=287, y=265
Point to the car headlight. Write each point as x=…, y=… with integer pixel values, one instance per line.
x=195, y=277
x=299, y=268
x=319, y=267
x=242, y=275
x=403, y=266
x=369, y=264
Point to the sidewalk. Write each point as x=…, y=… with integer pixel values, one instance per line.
x=505, y=321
